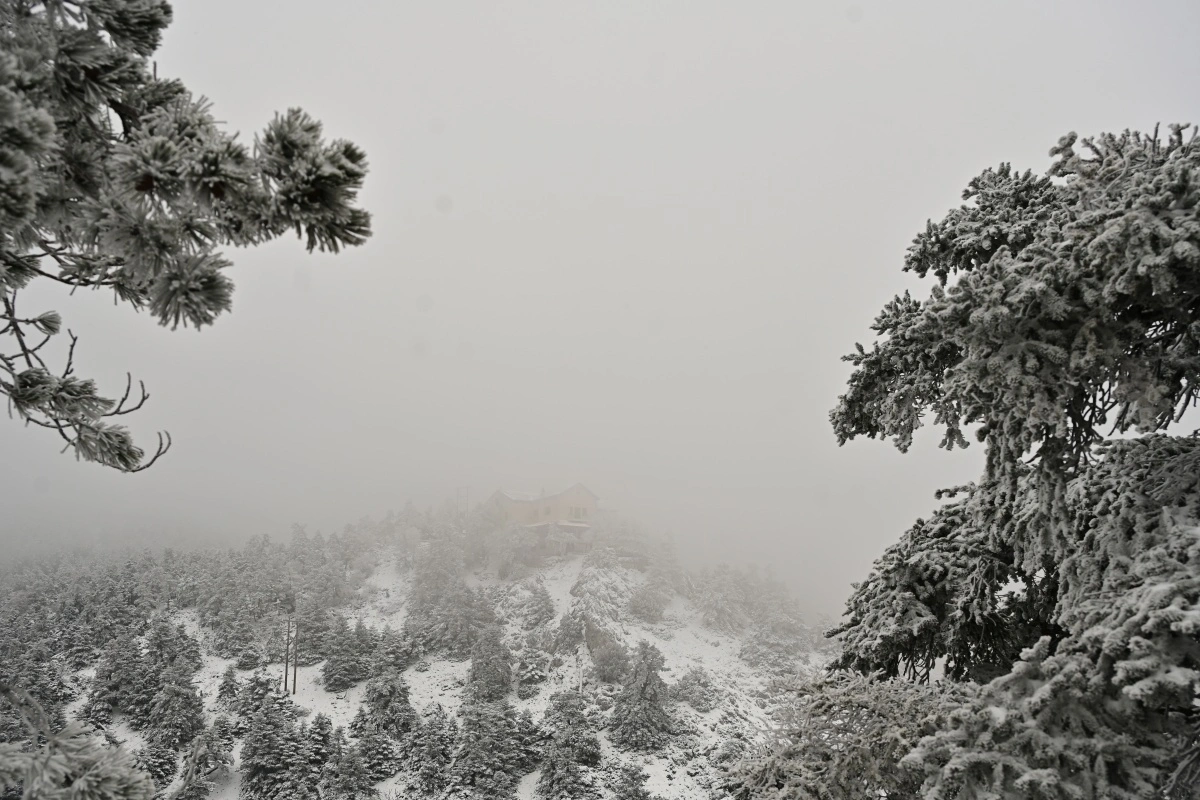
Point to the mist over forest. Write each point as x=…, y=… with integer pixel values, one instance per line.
x=603, y=401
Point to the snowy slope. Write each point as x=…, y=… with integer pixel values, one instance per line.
x=683, y=769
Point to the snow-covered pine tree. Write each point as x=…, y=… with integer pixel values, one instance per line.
x=81, y=82
x=377, y=750
x=490, y=675
x=529, y=738
x=160, y=762
x=121, y=682
x=721, y=598
x=347, y=777
x=608, y=654
x=845, y=735
x=650, y=600
x=572, y=746
x=365, y=642
x=169, y=645
x=177, y=712
x=779, y=639
x=271, y=757
x=569, y=635
x=229, y=688
x=531, y=673
x=493, y=752
x=316, y=625
x=37, y=677
x=538, y=608
x=208, y=760
x=602, y=590
x=631, y=784
x=320, y=744
x=394, y=653
x=1066, y=306
x=640, y=720
x=433, y=746
x=349, y=659
x=258, y=689
x=83, y=767
x=385, y=708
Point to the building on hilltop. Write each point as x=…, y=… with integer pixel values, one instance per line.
x=573, y=507
x=562, y=521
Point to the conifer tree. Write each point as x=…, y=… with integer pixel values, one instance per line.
x=697, y=689
x=347, y=777
x=121, y=682
x=531, y=673
x=490, y=675
x=609, y=656
x=258, y=689
x=209, y=758
x=116, y=179
x=229, y=688
x=320, y=744
x=160, y=762
x=572, y=745
x=445, y=615
x=269, y=755
x=845, y=735
x=64, y=764
x=177, y=712
x=349, y=658
x=170, y=645
x=394, y=653
x=494, y=750
x=640, y=720
x=433, y=747
x=631, y=784
x=650, y=600
x=539, y=607
x=1064, y=310
x=529, y=740
x=378, y=752
x=385, y=708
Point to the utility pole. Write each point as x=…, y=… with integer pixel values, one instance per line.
x=287, y=641
x=295, y=656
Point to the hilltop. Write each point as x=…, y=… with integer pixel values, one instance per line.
x=435, y=659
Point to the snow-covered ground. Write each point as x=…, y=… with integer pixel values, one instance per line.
x=681, y=770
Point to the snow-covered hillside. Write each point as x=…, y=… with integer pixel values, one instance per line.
x=731, y=692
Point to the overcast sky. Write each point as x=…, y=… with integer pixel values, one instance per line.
x=617, y=243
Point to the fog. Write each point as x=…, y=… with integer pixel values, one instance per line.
x=618, y=244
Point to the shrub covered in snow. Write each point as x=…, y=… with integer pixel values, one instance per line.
x=845, y=735
x=696, y=688
x=650, y=600
x=631, y=784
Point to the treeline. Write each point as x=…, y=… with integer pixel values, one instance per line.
x=67, y=614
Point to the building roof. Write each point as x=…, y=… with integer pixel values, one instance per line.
x=533, y=497
x=521, y=497
x=560, y=523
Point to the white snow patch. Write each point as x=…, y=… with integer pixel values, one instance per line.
x=442, y=683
